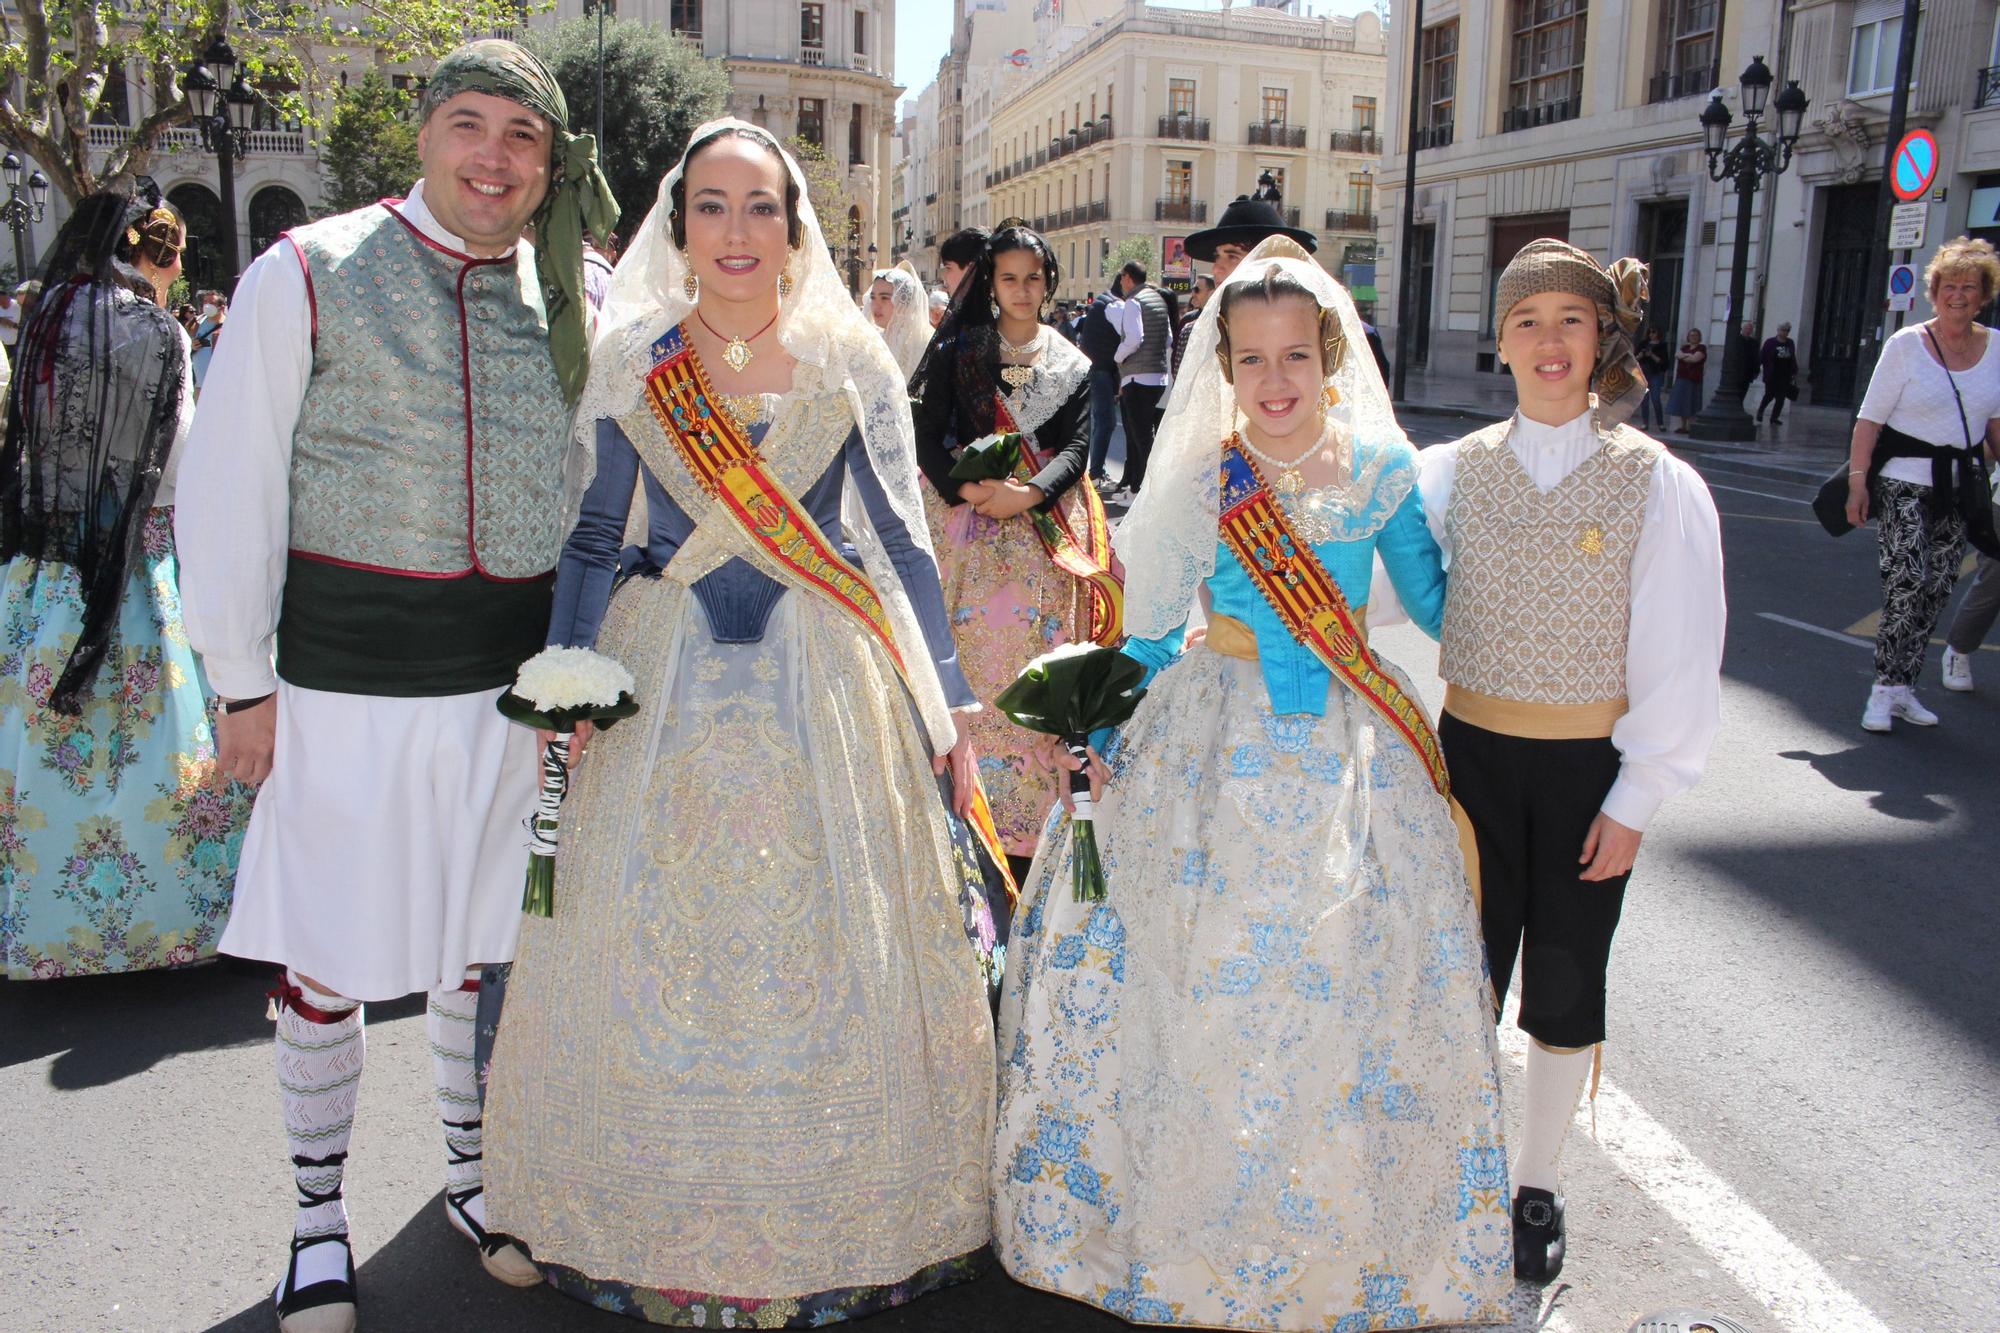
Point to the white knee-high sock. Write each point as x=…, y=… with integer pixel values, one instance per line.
x=1555, y=1081
x=319, y=1077
x=449, y=1024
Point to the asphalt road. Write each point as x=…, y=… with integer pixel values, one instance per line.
x=1797, y=1127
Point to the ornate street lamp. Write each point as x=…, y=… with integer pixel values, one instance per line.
x=224, y=110
x=19, y=212
x=1753, y=158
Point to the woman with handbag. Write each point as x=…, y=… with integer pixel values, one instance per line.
x=1915, y=466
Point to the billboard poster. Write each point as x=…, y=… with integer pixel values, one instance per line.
x=1174, y=261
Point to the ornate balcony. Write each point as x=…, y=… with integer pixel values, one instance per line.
x=1180, y=210
x=1273, y=135
x=1184, y=126
x=1356, y=141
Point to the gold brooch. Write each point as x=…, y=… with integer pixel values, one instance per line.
x=1017, y=376
x=1592, y=541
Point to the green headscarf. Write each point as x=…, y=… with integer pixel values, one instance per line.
x=579, y=197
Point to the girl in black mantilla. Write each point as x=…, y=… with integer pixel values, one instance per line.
x=1026, y=560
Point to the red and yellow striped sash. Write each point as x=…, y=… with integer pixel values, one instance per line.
x=728, y=468
x=1085, y=556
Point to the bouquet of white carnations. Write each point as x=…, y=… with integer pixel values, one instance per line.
x=554, y=690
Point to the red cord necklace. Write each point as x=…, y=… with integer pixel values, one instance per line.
x=736, y=353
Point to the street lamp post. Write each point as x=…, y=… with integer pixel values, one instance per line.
x=224, y=109
x=18, y=212
x=1753, y=158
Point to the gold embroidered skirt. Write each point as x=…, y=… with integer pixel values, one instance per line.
x=751, y=1052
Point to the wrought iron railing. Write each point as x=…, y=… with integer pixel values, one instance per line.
x=1180, y=210
x=1356, y=141
x=1434, y=136
x=1672, y=85
x=1184, y=126
x=1347, y=219
x=1987, y=92
x=1543, y=113
x=1277, y=136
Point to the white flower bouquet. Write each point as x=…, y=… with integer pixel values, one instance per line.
x=554, y=690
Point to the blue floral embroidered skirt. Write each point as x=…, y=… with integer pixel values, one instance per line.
x=1255, y=1087
x=115, y=854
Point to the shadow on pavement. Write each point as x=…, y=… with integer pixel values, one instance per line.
x=427, y=1278
x=1861, y=769
x=103, y=1029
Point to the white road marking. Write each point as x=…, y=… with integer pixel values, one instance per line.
x=1714, y=485
x=1799, y=1294
x=1824, y=633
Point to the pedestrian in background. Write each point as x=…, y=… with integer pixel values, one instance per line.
x=1913, y=466
x=1974, y=621
x=1689, y=364
x=116, y=854
x=1197, y=298
x=1779, y=360
x=1656, y=360
x=1097, y=339
x=1145, y=353
x=207, y=332
x=958, y=254
x=1746, y=351
x=10, y=318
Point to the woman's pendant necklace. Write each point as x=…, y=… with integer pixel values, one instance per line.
x=1018, y=376
x=736, y=353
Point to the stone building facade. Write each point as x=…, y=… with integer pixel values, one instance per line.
x=1579, y=118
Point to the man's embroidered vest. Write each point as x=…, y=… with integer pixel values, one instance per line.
x=432, y=435
x=1538, y=603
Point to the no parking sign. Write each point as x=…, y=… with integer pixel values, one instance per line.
x=1902, y=287
x=1916, y=165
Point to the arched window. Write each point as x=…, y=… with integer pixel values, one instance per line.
x=273, y=210
x=199, y=207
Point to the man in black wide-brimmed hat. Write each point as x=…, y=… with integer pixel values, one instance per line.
x=1244, y=223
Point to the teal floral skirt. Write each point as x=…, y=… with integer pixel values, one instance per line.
x=115, y=854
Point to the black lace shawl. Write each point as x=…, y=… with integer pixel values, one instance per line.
x=94, y=408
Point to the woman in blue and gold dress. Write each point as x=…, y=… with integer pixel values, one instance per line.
x=744, y=1076
x=1255, y=1086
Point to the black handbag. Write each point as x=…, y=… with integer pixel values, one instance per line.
x=1829, y=503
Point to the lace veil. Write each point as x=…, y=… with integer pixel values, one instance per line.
x=1168, y=541
x=822, y=328
x=909, y=331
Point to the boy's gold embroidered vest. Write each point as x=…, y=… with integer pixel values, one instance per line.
x=1538, y=604
x=433, y=431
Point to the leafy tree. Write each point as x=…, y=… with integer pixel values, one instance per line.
x=657, y=89
x=1132, y=248
x=826, y=186
x=371, y=145
x=64, y=61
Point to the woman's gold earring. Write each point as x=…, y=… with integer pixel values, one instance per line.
x=784, y=284
x=691, y=285
x=1332, y=396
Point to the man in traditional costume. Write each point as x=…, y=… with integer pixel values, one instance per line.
x=1582, y=653
x=376, y=481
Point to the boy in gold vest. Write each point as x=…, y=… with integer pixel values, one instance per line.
x=375, y=484
x=1582, y=654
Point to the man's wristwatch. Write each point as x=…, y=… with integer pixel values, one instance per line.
x=239, y=705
